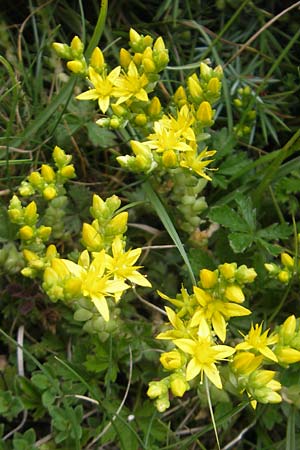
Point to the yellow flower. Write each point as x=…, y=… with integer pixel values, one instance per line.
x=195, y=163
x=131, y=85
x=172, y=360
x=103, y=88
x=183, y=302
x=179, y=331
x=120, y=265
x=96, y=284
x=204, y=355
x=164, y=139
x=259, y=342
x=216, y=312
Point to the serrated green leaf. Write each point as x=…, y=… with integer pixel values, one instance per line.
x=246, y=210
x=100, y=137
x=275, y=231
x=229, y=218
x=271, y=248
x=239, y=242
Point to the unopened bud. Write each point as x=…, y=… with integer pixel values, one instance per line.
x=235, y=294
x=47, y=173
x=208, y=278
x=97, y=59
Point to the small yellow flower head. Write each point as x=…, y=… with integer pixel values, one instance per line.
x=91, y=238
x=259, y=342
x=214, y=86
x=204, y=114
x=77, y=47
x=246, y=362
x=227, y=270
x=125, y=58
x=49, y=193
x=261, y=377
x=26, y=189
x=154, y=108
x=119, y=110
x=35, y=179
x=234, y=293
x=51, y=278
x=26, y=233
x=30, y=213
x=137, y=59
x=68, y=171
x=208, y=278
x=172, y=360
x=47, y=173
x=97, y=59
x=178, y=385
x=284, y=276
x=287, y=260
x=169, y=159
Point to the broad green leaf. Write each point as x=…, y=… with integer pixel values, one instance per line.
x=239, y=242
x=229, y=218
x=246, y=210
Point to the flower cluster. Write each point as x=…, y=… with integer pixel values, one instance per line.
x=285, y=272
x=198, y=324
x=173, y=133
x=104, y=268
x=245, y=101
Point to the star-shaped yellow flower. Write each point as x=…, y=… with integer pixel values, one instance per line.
x=104, y=87
x=259, y=342
x=204, y=355
x=131, y=84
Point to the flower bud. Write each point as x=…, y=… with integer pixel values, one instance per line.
x=157, y=389
x=246, y=362
x=245, y=274
x=204, y=114
x=44, y=232
x=169, y=159
x=91, y=238
x=60, y=158
x=284, y=276
x=26, y=189
x=287, y=260
x=205, y=71
x=97, y=59
x=288, y=329
x=180, y=96
x=227, y=270
x=47, y=173
x=172, y=360
x=49, y=193
x=125, y=58
x=154, y=108
x=214, y=86
x=162, y=403
x=35, y=179
x=62, y=50
x=77, y=47
x=134, y=36
x=76, y=66
x=30, y=213
x=208, y=278
x=149, y=66
x=178, y=385
x=118, y=224
x=287, y=355
x=140, y=119
x=68, y=171
x=26, y=233
x=195, y=88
